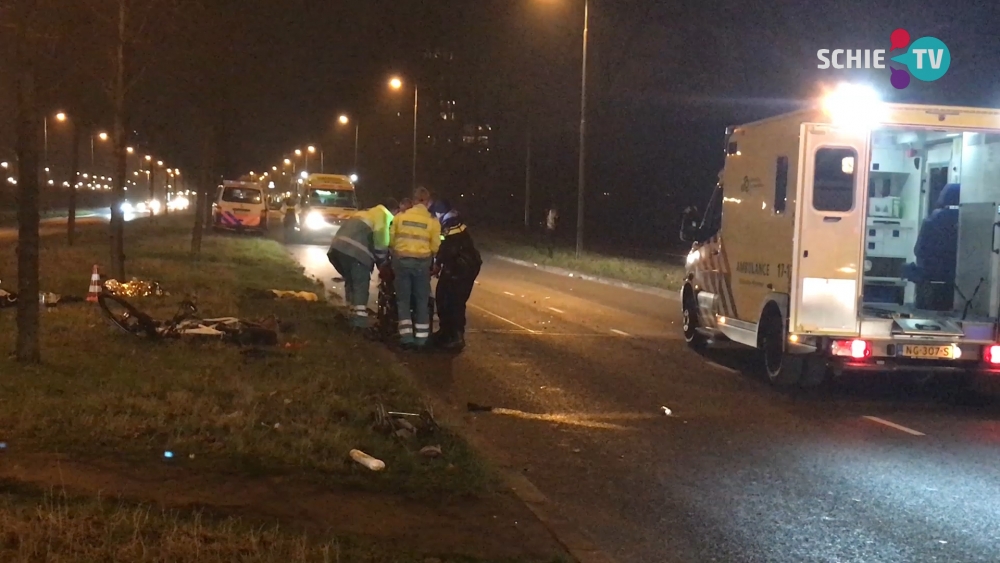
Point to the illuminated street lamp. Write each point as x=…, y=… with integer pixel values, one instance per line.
x=149, y=158
x=288, y=162
x=344, y=120
x=396, y=83
x=102, y=136
x=583, y=133
x=60, y=117
x=129, y=150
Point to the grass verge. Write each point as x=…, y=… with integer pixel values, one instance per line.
x=104, y=394
x=39, y=525
x=661, y=274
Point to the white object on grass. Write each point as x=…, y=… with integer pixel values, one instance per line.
x=367, y=460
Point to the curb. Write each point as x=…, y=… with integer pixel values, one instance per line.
x=579, y=546
x=650, y=290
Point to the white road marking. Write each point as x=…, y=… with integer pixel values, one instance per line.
x=620, y=332
x=722, y=367
x=894, y=425
x=506, y=320
x=508, y=293
x=556, y=310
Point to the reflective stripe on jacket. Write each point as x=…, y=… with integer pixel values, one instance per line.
x=365, y=236
x=415, y=233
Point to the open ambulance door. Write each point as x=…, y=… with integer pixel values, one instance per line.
x=829, y=231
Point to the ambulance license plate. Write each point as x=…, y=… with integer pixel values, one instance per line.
x=929, y=352
x=241, y=211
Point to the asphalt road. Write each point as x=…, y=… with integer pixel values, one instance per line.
x=58, y=221
x=868, y=469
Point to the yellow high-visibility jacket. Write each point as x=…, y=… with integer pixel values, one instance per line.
x=415, y=233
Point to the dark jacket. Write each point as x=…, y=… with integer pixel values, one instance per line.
x=457, y=256
x=937, y=242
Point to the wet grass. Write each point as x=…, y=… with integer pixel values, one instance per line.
x=104, y=394
x=664, y=275
x=50, y=526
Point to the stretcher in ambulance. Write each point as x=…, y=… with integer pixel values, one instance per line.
x=853, y=236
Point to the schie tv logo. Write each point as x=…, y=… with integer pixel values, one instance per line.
x=927, y=59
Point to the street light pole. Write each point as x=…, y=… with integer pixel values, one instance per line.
x=415, y=90
x=583, y=133
x=527, y=183
x=357, y=127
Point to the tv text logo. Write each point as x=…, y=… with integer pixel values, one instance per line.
x=927, y=59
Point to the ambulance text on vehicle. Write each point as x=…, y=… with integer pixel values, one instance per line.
x=853, y=236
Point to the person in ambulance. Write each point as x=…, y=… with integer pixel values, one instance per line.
x=936, y=251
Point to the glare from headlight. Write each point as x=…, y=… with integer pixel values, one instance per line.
x=141, y=207
x=126, y=207
x=155, y=205
x=315, y=220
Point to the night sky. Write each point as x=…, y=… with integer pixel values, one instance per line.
x=665, y=79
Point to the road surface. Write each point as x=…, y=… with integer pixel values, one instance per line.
x=57, y=222
x=867, y=470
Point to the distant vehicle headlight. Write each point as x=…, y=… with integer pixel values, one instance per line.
x=315, y=220
x=126, y=207
x=155, y=205
x=141, y=207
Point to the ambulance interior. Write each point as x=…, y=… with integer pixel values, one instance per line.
x=930, y=249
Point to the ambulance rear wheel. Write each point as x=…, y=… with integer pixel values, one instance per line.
x=782, y=369
x=695, y=339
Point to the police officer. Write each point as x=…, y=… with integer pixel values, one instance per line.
x=415, y=239
x=458, y=263
x=361, y=243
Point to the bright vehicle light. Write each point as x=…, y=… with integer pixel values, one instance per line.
x=141, y=207
x=315, y=220
x=354, y=177
x=126, y=207
x=304, y=175
x=155, y=205
x=857, y=349
x=854, y=106
x=991, y=354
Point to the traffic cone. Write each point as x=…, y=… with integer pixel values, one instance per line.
x=95, y=286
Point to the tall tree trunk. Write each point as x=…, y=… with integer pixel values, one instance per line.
x=117, y=219
x=203, y=188
x=28, y=321
x=74, y=178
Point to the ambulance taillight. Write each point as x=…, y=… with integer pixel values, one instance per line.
x=857, y=349
x=991, y=354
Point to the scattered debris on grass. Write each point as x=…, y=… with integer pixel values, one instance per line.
x=134, y=288
x=367, y=460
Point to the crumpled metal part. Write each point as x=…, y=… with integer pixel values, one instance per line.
x=134, y=288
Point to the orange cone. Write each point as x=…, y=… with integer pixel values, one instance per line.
x=95, y=286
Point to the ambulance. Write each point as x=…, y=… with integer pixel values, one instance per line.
x=853, y=236
x=327, y=200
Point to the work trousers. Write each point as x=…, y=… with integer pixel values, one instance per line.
x=452, y=294
x=357, y=278
x=413, y=289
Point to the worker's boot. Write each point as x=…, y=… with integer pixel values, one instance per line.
x=455, y=342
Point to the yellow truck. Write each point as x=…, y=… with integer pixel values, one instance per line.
x=854, y=235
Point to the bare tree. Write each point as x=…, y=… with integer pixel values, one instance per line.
x=203, y=189
x=74, y=179
x=27, y=49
